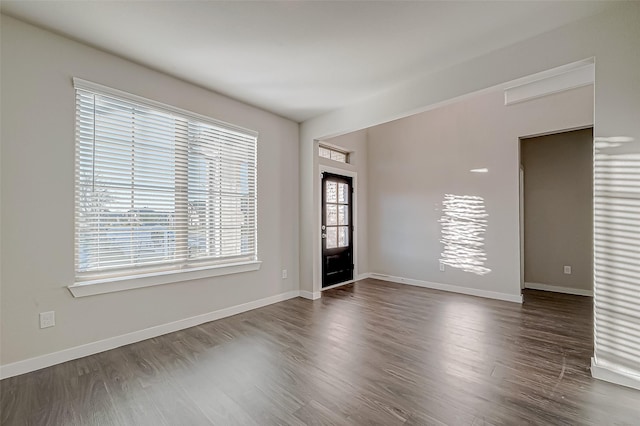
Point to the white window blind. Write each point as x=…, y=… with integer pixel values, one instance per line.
x=158, y=187
x=617, y=255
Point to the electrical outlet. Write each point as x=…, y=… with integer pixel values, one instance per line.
x=441, y=267
x=47, y=319
x=284, y=274
x=567, y=270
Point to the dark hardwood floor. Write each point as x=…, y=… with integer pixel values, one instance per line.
x=370, y=353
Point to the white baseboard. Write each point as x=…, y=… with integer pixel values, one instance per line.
x=36, y=363
x=558, y=289
x=310, y=295
x=363, y=276
x=611, y=375
x=448, y=287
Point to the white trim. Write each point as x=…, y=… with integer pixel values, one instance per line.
x=555, y=132
x=558, y=289
x=521, y=214
x=43, y=361
x=310, y=295
x=363, y=276
x=90, y=86
x=113, y=284
x=556, y=81
x=450, y=288
x=613, y=375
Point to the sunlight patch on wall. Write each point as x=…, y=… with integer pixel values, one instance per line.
x=464, y=222
x=617, y=253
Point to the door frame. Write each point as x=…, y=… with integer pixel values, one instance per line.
x=354, y=211
x=521, y=208
x=522, y=211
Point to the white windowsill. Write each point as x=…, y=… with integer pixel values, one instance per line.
x=110, y=285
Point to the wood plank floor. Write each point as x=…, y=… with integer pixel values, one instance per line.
x=370, y=353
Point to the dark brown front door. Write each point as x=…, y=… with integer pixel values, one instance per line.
x=337, y=229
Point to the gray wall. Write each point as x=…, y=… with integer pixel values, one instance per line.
x=414, y=162
x=38, y=120
x=558, y=213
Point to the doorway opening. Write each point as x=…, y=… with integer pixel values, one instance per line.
x=556, y=212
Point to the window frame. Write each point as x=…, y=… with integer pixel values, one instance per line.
x=98, y=282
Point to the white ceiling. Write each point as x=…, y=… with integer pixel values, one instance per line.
x=299, y=59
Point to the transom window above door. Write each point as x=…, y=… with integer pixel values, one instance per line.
x=333, y=154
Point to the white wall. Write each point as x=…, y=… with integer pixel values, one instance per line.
x=356, y=144
x=612, y=37
x=38, y=118
x=415, y=161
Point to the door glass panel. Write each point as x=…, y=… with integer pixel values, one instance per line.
x=343, y=215
x=332, y=238
x=343, y=193
x=332, y=214
x=343, y=236
x=332, y=192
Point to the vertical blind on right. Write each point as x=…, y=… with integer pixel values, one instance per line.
x=617, y=255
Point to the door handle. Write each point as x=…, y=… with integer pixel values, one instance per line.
x=324, y=235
